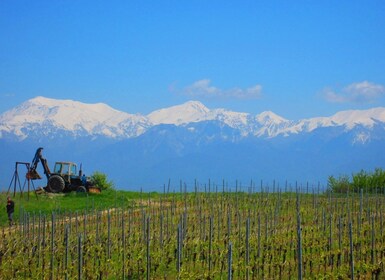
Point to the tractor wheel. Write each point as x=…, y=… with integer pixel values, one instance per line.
x=81, y=189
x=56, y=184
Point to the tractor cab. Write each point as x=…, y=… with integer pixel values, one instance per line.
x=68, y=171
x=65, y=168
x=64, y=177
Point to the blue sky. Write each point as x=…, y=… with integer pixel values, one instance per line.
x=297, y=58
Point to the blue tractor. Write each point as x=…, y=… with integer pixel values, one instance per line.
x=64, y=178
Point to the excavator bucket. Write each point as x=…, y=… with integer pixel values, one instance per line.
x=33, y=175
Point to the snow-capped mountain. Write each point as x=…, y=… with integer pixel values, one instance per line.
x=347, y=119
x=190, y=141
x=266, y=124
x=192, y=111
x=42, y=116
x=47, y=117
x=52, y=118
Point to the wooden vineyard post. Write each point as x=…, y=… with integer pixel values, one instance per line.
x=230, y=260
x=373, y=242
x=179, y=253
x=80, y=256
x=66, y=241
x=331, y=238
x=148, y=248
x=43, y=245
x=123, y=250
x=247, y=247
x=220, y=211
x=184, y=224
x=360, y=213
x=266, y=226
x=76, y=222
x=239, y=227
x=339, y=260
x=259, y=236
x=85, y=224
x=52, y=245
x=228, y=225
x=351, y=251
x=161, y=218
x=109, y=235
x=299, y=236
x=381, y=224
x=142, y=237
x=210, y=242
x=39, y=241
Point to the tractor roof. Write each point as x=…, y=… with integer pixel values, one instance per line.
x=65, y=162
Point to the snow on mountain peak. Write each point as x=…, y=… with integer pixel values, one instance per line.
x=45, y=116
x=101, y=108
x=270, y=117
x=40, y=100
x=191, y=111
x=348, y=119
x=195, y=111
x=367, y=118
x=68, y=115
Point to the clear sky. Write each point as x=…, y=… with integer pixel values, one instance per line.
x=297, y=58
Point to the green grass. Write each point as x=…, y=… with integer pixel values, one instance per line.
x=70, y=202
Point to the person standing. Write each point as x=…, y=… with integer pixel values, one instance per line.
x=10, y=210
x=84, y=180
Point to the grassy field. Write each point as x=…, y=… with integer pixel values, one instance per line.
x=221, y=235
x=73, y=201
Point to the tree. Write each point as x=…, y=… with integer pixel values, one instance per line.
x=339, y=185
x=100, y=179
x=360, y=181
x=368, y=181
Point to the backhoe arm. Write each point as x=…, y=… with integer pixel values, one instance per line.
x=33, y=174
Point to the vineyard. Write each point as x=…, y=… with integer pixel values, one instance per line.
x=203, y=235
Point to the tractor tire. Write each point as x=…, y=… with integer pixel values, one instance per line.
x=56, y=184
x=81, y=189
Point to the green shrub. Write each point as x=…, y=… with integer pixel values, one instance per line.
x=378, y=178
x=360, y=180
x=339, y=185
x=369, y=182
x=100, y=179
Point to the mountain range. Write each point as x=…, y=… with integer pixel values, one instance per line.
x=191, y=142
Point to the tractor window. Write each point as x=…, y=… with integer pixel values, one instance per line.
x=57, y=168
x=73, y=169
x=65, y=169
